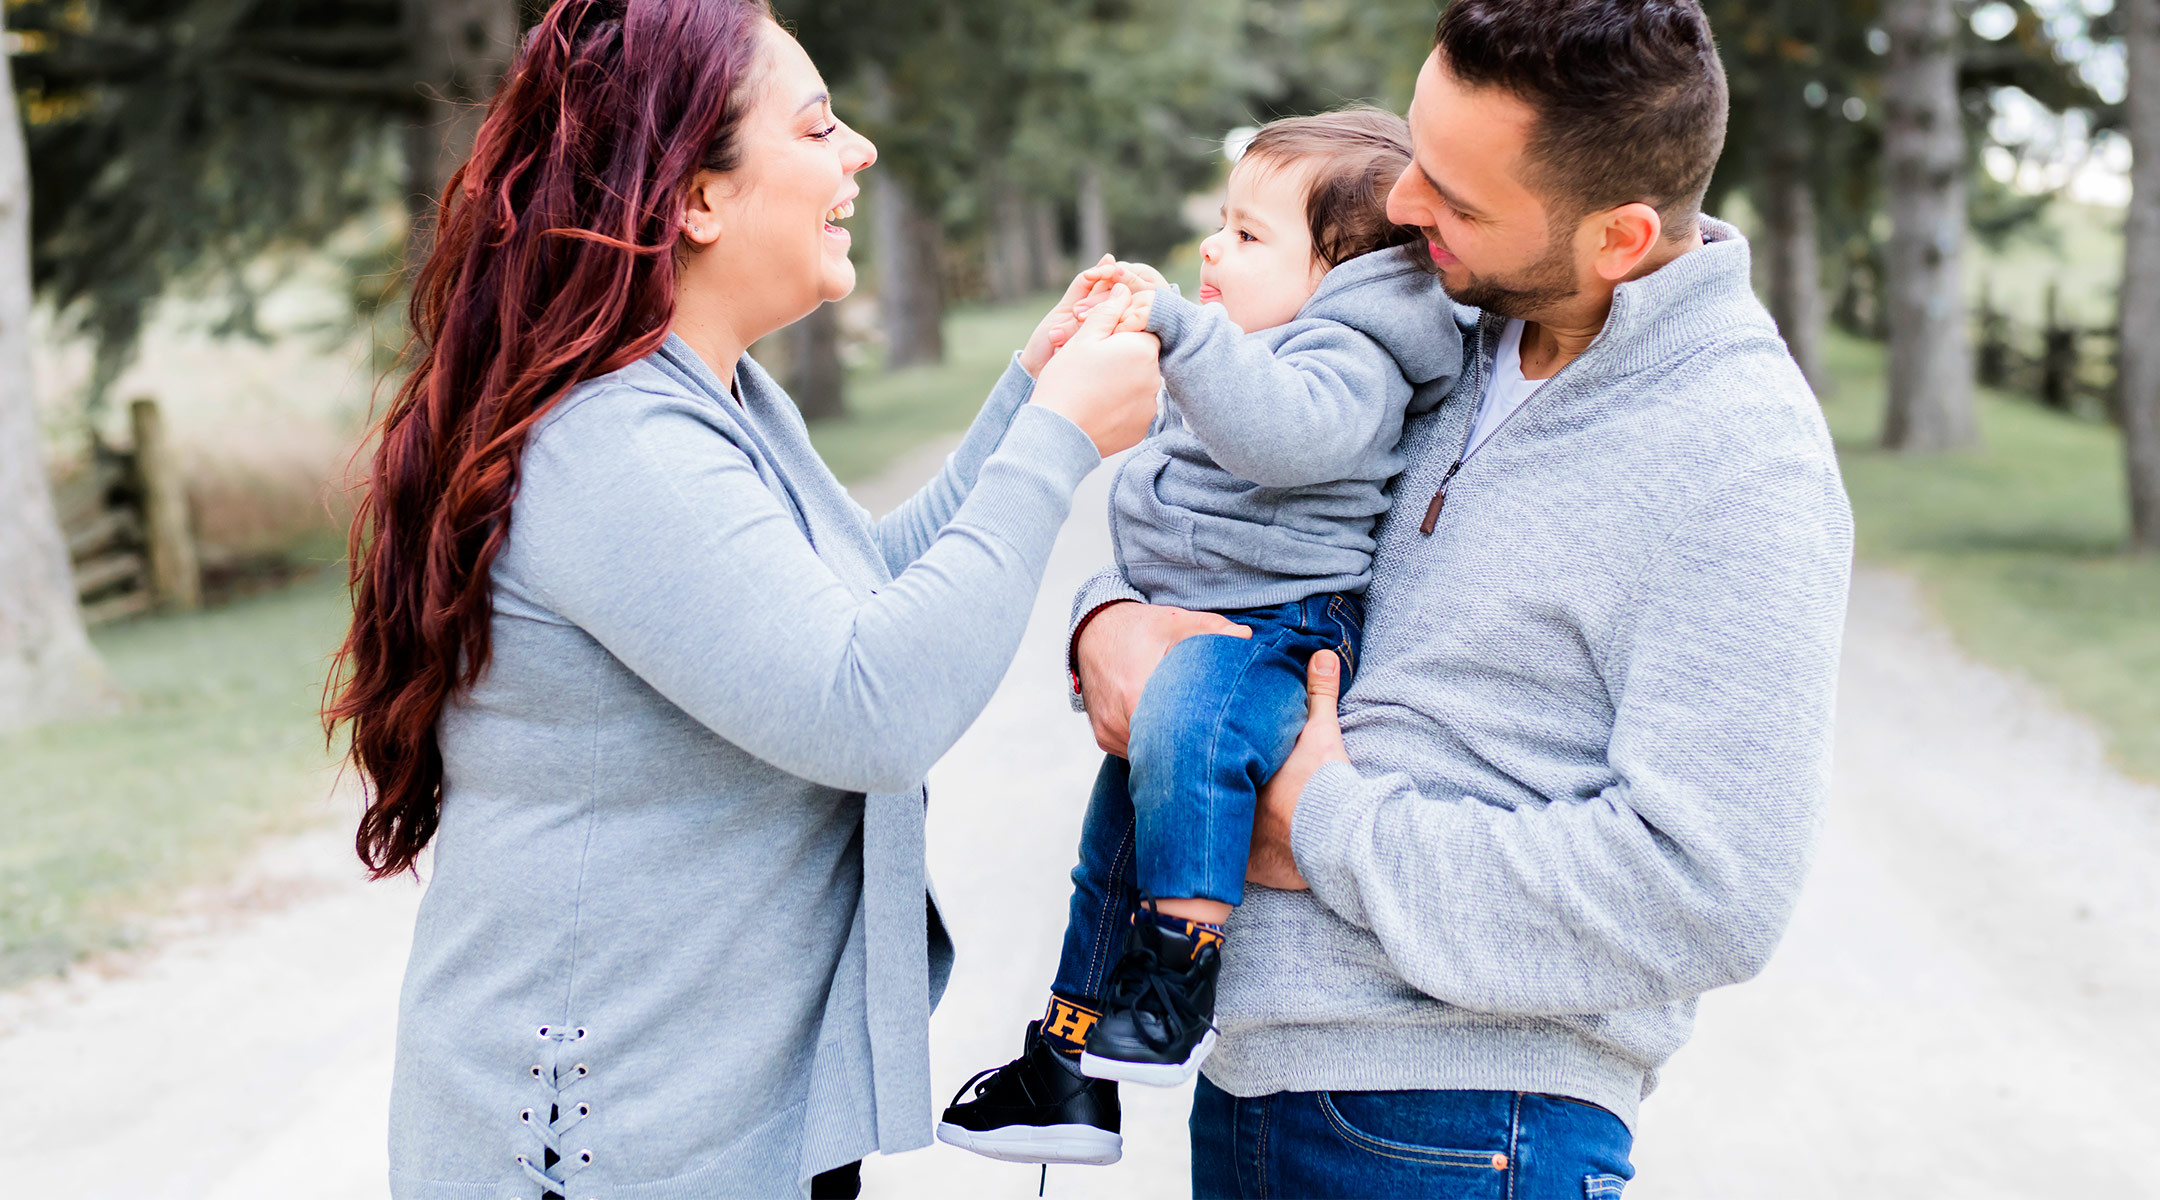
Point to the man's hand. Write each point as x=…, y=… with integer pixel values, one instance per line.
x=1120, y=647
x=1270, y=864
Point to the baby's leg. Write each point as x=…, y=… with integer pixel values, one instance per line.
x=1218, y=718
x=1101, y=908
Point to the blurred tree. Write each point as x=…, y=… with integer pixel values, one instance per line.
x=2140, y=317
x=180, y=140
x=811, y=369
x=47, y=668
x=1126, y=119
x=918, y=73
x=1924, y=153
x=1806, y=143
x=457, y=51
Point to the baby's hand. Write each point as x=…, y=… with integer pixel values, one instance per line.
x=1064, y=320
x=1088, y=289
x=1139, y=277
x=1137, y=309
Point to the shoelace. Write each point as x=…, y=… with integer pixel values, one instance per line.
x=1141, y=978
x=981, y=1081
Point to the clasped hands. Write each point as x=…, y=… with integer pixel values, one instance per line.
x=1093, y=360
x=1120, y=647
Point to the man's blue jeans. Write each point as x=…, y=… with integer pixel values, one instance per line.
x=1440, y=1145
x=1217, y=719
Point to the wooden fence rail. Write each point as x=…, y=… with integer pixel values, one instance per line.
x=128, y=532
x=2064, y=366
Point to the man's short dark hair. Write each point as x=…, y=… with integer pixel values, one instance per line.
x=1629, y=94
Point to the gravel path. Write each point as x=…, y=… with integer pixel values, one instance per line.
x=1965, y=1006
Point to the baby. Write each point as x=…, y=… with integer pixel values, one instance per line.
x=1320, y=326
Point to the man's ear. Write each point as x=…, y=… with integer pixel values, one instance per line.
x=701, y=217
x=1625, y=236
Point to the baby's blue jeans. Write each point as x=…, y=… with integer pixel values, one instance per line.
x=1217, y=719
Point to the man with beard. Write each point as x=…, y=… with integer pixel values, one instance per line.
x=1576, y=782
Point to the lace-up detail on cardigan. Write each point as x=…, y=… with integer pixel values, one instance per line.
x=556, y=1113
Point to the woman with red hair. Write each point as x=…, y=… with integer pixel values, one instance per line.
x=658, y=694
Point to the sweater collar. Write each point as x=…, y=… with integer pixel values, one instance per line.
x=1697, y=298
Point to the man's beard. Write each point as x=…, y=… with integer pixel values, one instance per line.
x=1536, y=289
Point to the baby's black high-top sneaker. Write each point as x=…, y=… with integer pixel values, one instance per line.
x=1038, y=1108
x=1158, y=1020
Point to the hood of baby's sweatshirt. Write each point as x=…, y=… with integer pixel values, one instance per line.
x=1390, y=298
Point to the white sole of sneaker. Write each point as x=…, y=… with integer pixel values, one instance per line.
x=1076, y=1145
x=1152, y=1074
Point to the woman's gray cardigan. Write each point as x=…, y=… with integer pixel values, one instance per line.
x=677, y=940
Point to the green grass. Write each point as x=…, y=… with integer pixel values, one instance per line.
x=105, y=817
x=890, y=412
x=2076, y=247
x=2019, y=546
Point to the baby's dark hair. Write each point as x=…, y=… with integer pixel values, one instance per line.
x=1354, y=155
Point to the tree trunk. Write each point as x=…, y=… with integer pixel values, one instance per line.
x=2140, y=343
x=461, y=49
x=815, y=379
x=911, y=293
x=47, y=668
x=1094, y=216
x=1931, y=395
x=1051, y=273
x=1011, y=252
x=1794, y=265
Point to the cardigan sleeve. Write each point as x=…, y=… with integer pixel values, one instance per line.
x=640, y=521
x=904, y=534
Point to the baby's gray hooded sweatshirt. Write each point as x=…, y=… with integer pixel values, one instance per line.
x=1269, y=468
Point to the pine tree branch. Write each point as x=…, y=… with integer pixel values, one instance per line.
x=327, y=43
x=391, y=86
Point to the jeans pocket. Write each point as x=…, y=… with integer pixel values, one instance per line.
x=1349, y=619
x=1495, y=1161
x=1602, y=1187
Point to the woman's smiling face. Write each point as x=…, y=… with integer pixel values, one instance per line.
x=1260, y=265
x=770, y=228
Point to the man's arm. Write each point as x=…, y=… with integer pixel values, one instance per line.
x=1116, y=640
x=1680, y=876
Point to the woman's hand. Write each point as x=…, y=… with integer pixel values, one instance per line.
x=1120, y=646
x=1106, y=378
x=1058, y=326
x=1270, y=863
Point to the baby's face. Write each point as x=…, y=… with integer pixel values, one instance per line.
x=1260, y=266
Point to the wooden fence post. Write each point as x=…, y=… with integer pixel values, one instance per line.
x=175, y=571
x=2058, y=357
x=1993, y=367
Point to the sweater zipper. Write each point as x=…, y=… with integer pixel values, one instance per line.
x=1439, y=499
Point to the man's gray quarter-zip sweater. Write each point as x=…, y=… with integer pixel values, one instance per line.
x=1590, y=732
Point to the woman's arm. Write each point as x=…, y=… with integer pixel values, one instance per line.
x=907, y=531
x=642, y=523
x=904, y=534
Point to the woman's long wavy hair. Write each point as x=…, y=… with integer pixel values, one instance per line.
x=553, y=262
